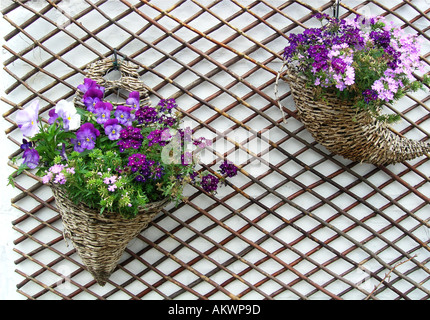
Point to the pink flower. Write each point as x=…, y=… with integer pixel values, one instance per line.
x=47, y=178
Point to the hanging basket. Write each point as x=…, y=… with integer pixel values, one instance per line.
x=342, y=129
x=128, y=81
x=100, y=239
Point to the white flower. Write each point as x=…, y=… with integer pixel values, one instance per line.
x=67, y=111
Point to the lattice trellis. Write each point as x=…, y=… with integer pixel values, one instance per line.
x=296, y=223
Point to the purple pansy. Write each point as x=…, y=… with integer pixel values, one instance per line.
x=86, y=137
x=123, y=115
x=52, y=116
x=91, y=97
x=90, y=84
x=31, y=158
x=102, y=110
x=133, y=99
x=27, y=119
x=112, y=129
x=146, y=115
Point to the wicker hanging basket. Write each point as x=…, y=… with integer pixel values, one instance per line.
x=100, y=239
x=345, y=131
x=128, y=81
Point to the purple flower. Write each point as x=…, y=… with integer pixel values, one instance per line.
x=60, y=178
x=52, y=116
x=56, y=168
x=77, y=145
x=92, y=97
x=370, y=95
x=130, y=138
x=136, y=160
x=146, y=115
x=26, y=144
x=31, y=158
x=209, y=183
x=157, y=172
x=90, y=84
x=112, y=188
x=112, y=129
x=102, y=110
x=124, y=115
x=167, y=105
x=228, y=169
x=86, y=137
x=133, y=99
x=27, y=119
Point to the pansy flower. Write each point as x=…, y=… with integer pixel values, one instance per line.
x=91, y=97
x=31, y=158
x=133, y=99
x=112, y=129
x=102, y=110
x=27, y=119
x=123, y=115
x=67, y=111
x=86, y=137
x=90, y=84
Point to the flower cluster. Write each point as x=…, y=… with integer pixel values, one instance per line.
x=115, y=157
x=58, y=174
x=365, y=59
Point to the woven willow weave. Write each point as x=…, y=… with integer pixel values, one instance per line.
x=100, y=239
x=346, y=131
x=128, y=81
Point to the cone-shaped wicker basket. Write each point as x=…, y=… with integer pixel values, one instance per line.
x=100, y=239
x=343, y=130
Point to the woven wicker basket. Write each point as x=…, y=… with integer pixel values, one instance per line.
x=100, y=239
x=129, y=80
x=345, y=131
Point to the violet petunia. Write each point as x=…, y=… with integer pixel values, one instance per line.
x=27, y=119
x=133, y=99
x=102, y=110
x=31, y=158
x=112, y=129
